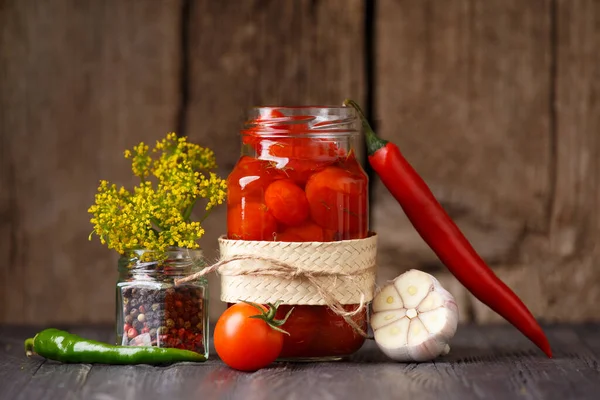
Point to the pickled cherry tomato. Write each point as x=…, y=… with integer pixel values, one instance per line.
x=304, y=148
x=330, y=235
x=302, y=325
x=251, y=221
x=300, y=170
x=336, y=333
x=250, y=178
x=338, y=200
x=287, y=202
x=288, y=237
x=306, y=232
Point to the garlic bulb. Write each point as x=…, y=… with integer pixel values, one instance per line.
x=414, y=317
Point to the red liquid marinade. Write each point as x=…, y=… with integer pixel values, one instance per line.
x=299, y=190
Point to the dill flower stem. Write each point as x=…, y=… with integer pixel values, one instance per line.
x=206, y=214
x=157, y=223
x=188, y=211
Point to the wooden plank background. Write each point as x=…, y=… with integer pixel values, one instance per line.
x=494, y=102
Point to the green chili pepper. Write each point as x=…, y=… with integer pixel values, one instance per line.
x=62, y=346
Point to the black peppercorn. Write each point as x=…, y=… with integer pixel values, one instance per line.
x=134, y=312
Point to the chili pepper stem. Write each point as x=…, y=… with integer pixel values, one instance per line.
x=29, y=347
x=374, y=143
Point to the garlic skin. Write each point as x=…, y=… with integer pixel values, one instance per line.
x=414, y=317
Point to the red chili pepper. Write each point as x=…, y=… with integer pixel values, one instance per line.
x=444, y=237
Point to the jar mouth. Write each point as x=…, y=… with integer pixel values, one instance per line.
x=302, y=121
x=171, y=259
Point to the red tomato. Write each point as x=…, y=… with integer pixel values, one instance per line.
x=244, y=343
x=336, y=336
x=300, y=170
x=307, y=232
x=251, y=135
x=338, y=200
x=288, y=237
x=249, y=179
x=334, y=235
x=250, y=221
x=304, y=148
x=287, y=202
x=302, y=325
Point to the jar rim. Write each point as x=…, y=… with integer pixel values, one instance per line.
x=173, y=258
x=302, y=121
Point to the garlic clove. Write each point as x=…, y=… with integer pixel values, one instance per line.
x=422, y=322
x=387, y=317
x=387, y=299
x=396, y=333
x=432, y=301
x=421, y=345
x=413, y=286
x=439, y=321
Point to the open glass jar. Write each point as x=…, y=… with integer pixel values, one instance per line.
x=152, y=310
x=299, y=180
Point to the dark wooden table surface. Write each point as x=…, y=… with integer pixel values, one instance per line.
x=490, y=362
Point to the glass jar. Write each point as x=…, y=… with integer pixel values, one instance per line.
x=298, y=180
x=152, y=310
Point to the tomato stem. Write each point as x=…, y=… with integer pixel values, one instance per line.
x=269, y=315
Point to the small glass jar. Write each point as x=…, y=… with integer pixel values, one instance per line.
x=152, y=310
x=298, y=180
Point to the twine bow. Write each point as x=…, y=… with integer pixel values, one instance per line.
x=275, y=268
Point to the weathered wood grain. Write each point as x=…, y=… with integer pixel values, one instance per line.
x=464, y=88
x=575, y=224
x=244, y=54
x=80, y=82
x=560, y=271
x=486, y=362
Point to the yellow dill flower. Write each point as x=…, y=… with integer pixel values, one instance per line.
x=156, y=214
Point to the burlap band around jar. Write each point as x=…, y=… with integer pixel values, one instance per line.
x=310, y=273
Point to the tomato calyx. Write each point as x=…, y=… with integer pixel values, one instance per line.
x=268, y=315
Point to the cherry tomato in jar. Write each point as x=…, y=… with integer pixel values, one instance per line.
x=336, y=336
x=288, y=237
x=251, y=221
x=287, y=202
x=245, y=342
x=336, y=235
x=302, y=325
x=306, y=232
x=338, y=200
x=249, y=179
x=252, y=137
x=300, y=170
